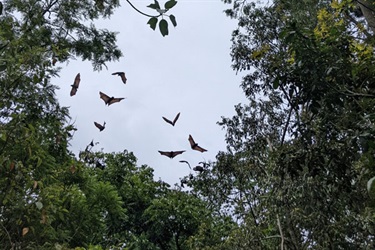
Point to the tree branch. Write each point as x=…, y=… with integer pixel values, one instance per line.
x=140, y=11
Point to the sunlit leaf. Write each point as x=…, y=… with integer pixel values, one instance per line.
x=25, y=230
x=39, y=205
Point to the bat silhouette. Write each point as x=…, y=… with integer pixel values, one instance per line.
x=90, y=145
x=171, y=154
x=195, y=146
x=198, y=169
x=186, y=163
x=75, y=84
x=109, y=100
x=122, y=75
x=99, y=126
x=174, y=120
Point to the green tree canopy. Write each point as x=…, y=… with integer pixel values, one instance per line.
x=301, y=151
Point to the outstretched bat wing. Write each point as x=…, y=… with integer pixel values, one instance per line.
x=99, y=126
x=195, y=146
x=122, y=75
x=114, y=100
x=171, y=154
x=169, y=121
x=174, y=121
x=199, y=148
x=192, y=142
x=176, y=118
x=104, y=97
x=75, y=84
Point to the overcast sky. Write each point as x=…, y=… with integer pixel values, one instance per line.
x=188, y=71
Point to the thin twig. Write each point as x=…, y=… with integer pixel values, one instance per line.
x=281, y=233
x=10, y=239
x=140, y=11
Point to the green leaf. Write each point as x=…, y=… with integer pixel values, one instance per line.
x=152, y=22
x=39, y=205
x=170, y=4
x=163, y=26
x=3, y=136
x=154, y=5
x=173, y=20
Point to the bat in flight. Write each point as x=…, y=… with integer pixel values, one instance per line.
x=109, y=100
x=174, y=120
x=75, y=84
x=171, y=154
x=186, y=163
x=99, y=126
x=195, y=146
x=122, y=75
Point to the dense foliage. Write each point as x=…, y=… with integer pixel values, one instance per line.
x=301, y=151
x=50, y=198
x=298, y=172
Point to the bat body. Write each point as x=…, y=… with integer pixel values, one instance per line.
x=186, y=163
x=109, y=100
x=99, y=126
x=174, y=120
x=198, y=169
x=75, y=84
x=122, y=75
x=195, y=146
x=171, y=154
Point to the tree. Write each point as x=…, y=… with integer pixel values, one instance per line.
x=300, y=153
x=47, y=196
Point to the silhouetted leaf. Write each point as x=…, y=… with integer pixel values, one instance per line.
x=154, y=5
x=173, y=20
x=170, y=4
x=163, y=26
x=152, y=22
